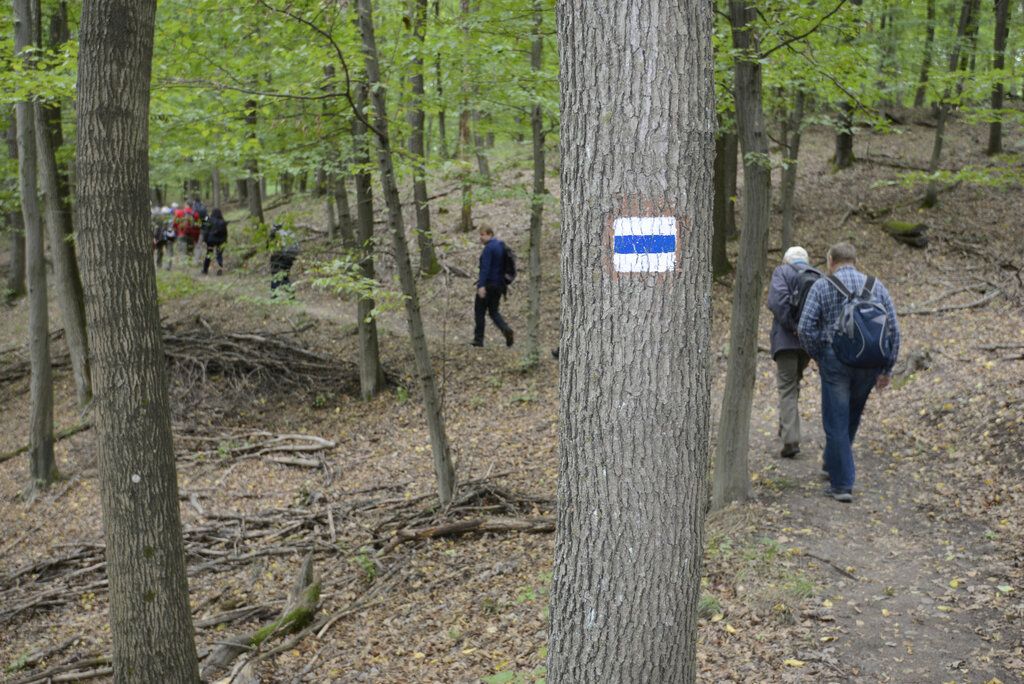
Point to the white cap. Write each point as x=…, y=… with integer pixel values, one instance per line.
x=795, y=254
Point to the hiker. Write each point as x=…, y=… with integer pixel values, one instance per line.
x=216, y=236
x=186, y=228
x=787, y=293
x=202, y=220
x=163, y=235
x=490, y=287
x=849, y=328
x=284, y=250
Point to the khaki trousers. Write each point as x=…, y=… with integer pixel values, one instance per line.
x=790, y=365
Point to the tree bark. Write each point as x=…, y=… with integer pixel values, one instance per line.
x=371, y=373
x=429, y=265
x=931, y=196
x=151, y=622
x=634, y=397
x=242, y=187
x=43, y=468
x=254, y=189
x=719, y=257
x=926, y=61
x=216, y=193
x=345, y=224
x=789, y=171
x=732, y=144
x=442, y=131
x=732, y=479
x=844, y=158
x=62, y=252
x=329, y=201
x=443, y=468
x=532, y=355
x=16, y=286
x=995, y=129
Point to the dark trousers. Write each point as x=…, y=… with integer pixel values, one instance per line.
x=488, y=305
x=210, y=250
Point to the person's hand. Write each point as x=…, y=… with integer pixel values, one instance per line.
x=883, y=381
x=481, y=292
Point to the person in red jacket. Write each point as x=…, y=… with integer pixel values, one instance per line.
x=186, y=228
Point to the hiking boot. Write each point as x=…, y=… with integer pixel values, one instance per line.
x=824, y=474
x=476, y=343
x=510, y=337
x=791, y=450
x=842, y=497
x=220, y=271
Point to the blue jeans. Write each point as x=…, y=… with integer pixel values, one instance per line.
x=844, y=392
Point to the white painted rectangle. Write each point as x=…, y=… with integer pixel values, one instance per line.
x=645, y=225
x=645, y=263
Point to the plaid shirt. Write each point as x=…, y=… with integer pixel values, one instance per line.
x=825, y=304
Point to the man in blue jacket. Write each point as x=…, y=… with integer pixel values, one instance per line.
x=844, y=389
x=490, y=287
x=790, y=358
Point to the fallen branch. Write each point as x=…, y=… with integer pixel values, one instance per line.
x=832, y=564
x=58, y=436
x=51, y=674
x=480, y=525
x=953, y=307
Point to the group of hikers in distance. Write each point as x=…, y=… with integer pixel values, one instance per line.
x=188, y=226
x=846, y=322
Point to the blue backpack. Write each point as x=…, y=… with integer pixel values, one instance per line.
x=861, y=337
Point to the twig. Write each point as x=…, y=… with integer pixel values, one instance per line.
x=832, y=564
x=58, y=436
x=954, y=307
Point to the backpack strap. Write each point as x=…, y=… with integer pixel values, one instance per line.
x=869, y=285
x=838, y=284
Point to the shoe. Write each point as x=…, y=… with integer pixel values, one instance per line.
x=510, y=337
x=824, y=474
x=791, y=450
x=475, y=343
x=842, y=497
x=220, y=271
x=554, y=353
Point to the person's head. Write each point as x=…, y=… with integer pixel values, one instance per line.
x=174, y=205
x=188, y=203
x=795, y=255
x=216, y=213
x=841, y=254
x=486, y=235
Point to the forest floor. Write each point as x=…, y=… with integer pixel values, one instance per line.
x=920, y=580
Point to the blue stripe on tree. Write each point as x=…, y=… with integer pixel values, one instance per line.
x=645, y=244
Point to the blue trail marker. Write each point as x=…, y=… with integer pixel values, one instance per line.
x=645, y=244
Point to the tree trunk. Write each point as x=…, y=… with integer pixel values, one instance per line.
x=345, y=224
x=417, y=150
x=844, y=137
x=931, y=196
x=995, y=129
x=732, y=144
x=16, y=286
x=532, y=355
x=242, y=187
x=150, y=618
x=329, y=200
x=926, y=61
x=62, y=252
x=43, y=468
x=789, y=171
x=442, y=130
x=465, y=138
x=482, y=163
x=253, y=189
x=431, y=400
x=216, y=197
x=732, y=479
x=371, y=373
x=634, y=399
x=719, y=257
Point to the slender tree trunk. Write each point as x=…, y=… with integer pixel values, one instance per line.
x=732, y=479
x=532, y=355
x=431, y=400
x=634, y=397
x=483, y=165
x=926, y=61
x=345, y=224
x=329, y=201
x=62, y=252
x=254, y=189
x=719, y=257
x=417, y=149
x=16, y=286
x=995, y=129
x=789, y=171
x=216, y=197
x=465, y=138
x=242, y=187
x=371, y=373
x=732, y=144
x=151, y=622
x=43, y=468
x=931, y=196
x=844, y=137
x=442, y=130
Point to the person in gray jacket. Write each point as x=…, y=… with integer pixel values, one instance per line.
x=790, y=283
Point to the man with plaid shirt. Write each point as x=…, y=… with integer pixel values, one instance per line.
x=844, y=389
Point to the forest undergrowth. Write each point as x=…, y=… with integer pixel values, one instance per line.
x=921, y=579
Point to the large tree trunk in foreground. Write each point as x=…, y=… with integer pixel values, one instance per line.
x=417, y=149
x=731, y=478
x=719, y=256
x=43, y=468
x=931, y=196
x=791, y=147
x=634, y=404
x=995, y=129
x=371, y=373
x=16, y=286
x=537, y=200
x=424, y=368
x=150, y=619
x=926, y=61
x=62, y=252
